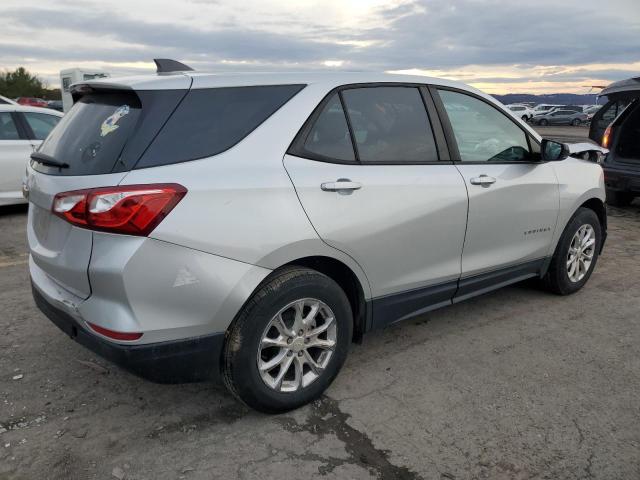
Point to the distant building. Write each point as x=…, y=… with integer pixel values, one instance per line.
x=75, y=75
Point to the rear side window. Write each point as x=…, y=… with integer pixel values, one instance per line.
x=41, y=124
x=329, y=137
x=210, y=121
x=390, y=125
x=8, y=129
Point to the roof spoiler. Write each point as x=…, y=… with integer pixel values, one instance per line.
x=166, y=65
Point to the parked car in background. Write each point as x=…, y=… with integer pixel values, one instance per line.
x=560, y=117
x=55, y=105
x=31, y=102
x=22, y=130
x=616, y=126
x=543, y=108
x=573, y=108
x=7, y=101
x=591, y=110
x=521, y=110
x=319, y=207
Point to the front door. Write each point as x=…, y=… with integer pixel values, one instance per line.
x=375, y=189
x=513, y=197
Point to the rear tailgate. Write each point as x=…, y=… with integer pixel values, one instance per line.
x=100, y=139
x=61, y=250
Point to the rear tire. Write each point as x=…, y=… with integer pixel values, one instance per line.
x=567, y=274
x=543, y=123
x=619, y=199
x=265, y=333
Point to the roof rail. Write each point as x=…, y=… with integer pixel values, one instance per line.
x=166, y=65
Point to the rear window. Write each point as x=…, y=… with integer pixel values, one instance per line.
x=116, y=131
x=210, y=121
x=91, y=136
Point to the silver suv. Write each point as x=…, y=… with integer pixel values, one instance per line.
x=189, y=225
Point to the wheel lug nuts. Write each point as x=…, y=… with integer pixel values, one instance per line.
x=300, y=353
x=306, y=340
x=289, y=353
x=289, y=340
x=300, y=332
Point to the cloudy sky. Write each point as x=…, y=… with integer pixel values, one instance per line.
x=501, y=46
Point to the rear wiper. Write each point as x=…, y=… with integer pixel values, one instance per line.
x=48, y=160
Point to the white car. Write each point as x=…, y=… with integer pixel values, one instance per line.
x=22, y=130
x=521, y=110
x=7, y=101
x=544, y=108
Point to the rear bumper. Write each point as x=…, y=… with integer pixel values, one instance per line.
x=186, y=360
x=621, y=178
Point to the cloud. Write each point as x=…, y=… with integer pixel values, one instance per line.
x=396, y=35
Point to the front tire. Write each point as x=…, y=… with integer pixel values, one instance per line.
x=575, y=122
x=288, y=342
x=576, y=254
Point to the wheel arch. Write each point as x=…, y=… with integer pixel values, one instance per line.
x=600, y=210
x=344, y=276
x=347, y=279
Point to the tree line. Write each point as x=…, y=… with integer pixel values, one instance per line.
x=21, y=83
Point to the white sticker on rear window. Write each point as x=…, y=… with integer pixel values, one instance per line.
x=111, y=123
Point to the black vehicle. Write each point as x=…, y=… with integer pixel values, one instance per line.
x=616, y=126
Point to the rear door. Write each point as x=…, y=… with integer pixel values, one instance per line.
x=15, y=149
x=513, y=197
x=374, y=186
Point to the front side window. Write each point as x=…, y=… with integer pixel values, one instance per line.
x=8, y=129
x=482, y=132
x=41, y=123
x=390, y=125
x=329, y=136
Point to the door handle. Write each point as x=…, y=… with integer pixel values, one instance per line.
x=484, y=180
x=342, y=185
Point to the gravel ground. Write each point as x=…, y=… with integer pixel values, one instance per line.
x=517, y=384
x=566, y=133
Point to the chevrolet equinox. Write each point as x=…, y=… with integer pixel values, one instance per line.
x=250, y=227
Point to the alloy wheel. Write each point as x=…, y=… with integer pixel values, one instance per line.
x=297, y=345
x=581, y=251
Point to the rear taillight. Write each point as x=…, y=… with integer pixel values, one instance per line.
x=129, y=209
x=606, y=138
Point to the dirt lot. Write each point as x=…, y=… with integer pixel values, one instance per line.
x=516, y=384
x=564, y=133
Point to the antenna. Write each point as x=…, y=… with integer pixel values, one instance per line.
x=166, y=65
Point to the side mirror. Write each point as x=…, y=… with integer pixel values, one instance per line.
x=554, y=151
